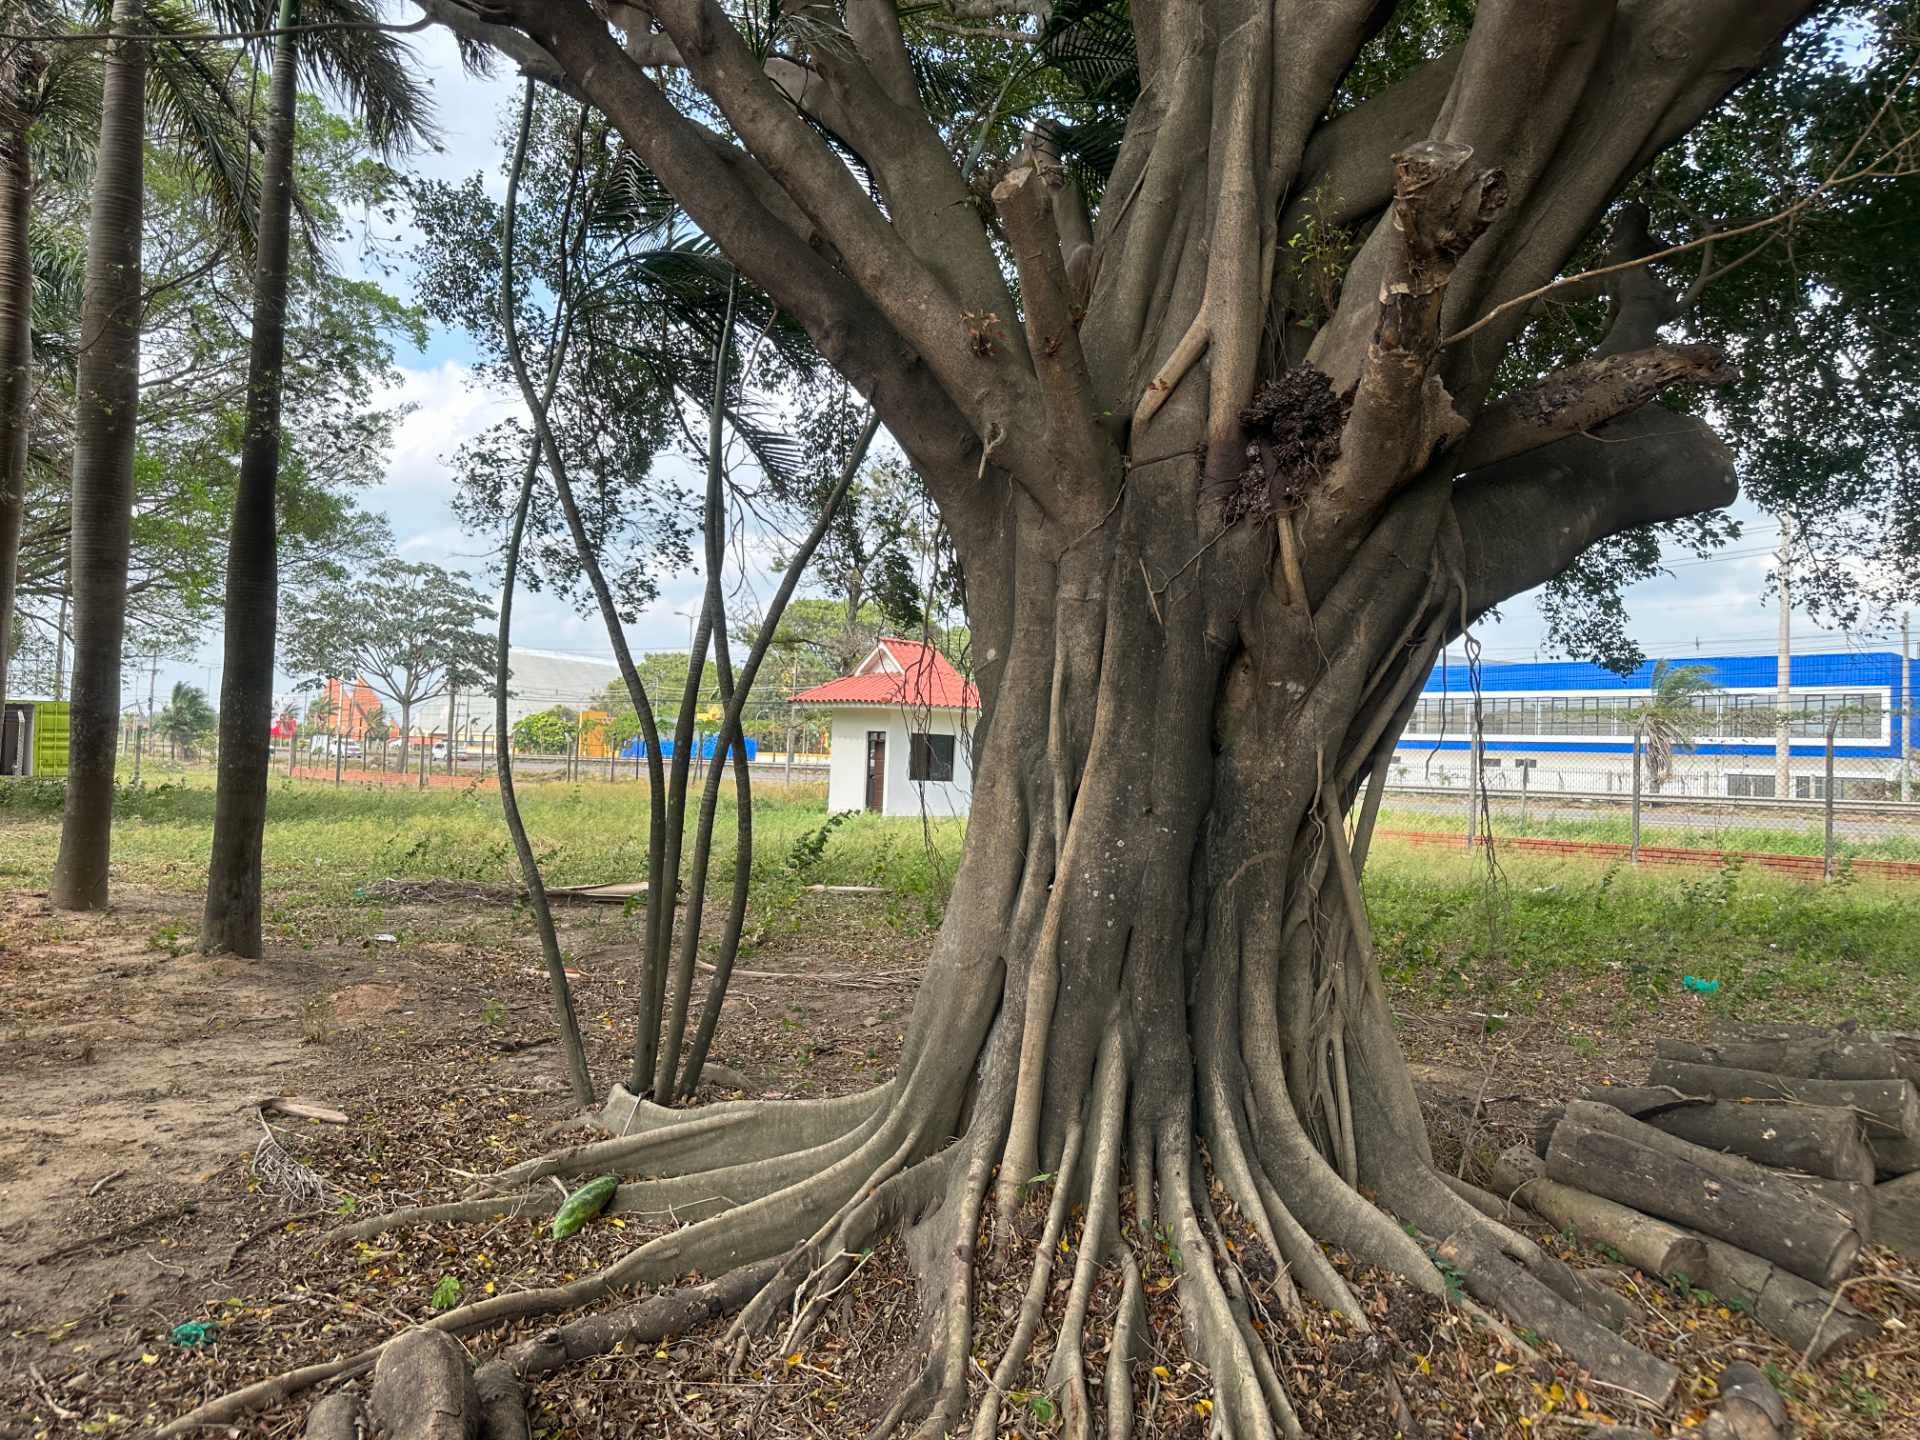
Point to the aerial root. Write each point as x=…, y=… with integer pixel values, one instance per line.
x=1128, y=1325
x=987, y=1420
x=852, y=1225
x=947, y=1368
x=1241, y=1404
x=1067, y=1373
x=676, y=1142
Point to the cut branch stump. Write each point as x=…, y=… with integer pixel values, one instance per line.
x=1598, y=1149
x=1821, y=1140
x=423, y=1389
x=1749, y=1409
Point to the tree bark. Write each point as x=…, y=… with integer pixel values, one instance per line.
x=1787, y=1307
x=107, y=397
x=231, y=921
x=16, y=327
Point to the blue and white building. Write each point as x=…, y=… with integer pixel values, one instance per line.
x=1568, y=726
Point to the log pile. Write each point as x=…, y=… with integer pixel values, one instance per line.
x=1756, y=1166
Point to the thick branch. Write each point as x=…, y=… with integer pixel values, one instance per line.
x=1053, y=337
x=980, y=376
x=731, y=198
x=1584, y=395
x=1526, y=520
x=1343, y=177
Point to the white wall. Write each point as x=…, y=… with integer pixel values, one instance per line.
x=847, y=775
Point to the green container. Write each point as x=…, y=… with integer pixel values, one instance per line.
x=50, y=725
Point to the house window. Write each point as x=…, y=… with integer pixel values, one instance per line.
x=930, y=757
x=1750, y=787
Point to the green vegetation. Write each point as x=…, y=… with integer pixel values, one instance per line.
x=326, y=847
x=1553, y=932
x=1732, y=831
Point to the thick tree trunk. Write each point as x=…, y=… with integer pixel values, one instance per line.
x=16, y=331
x=107, y=397
x=232, y=916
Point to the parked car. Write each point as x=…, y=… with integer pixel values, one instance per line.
x=439, y=749
x=325, y=744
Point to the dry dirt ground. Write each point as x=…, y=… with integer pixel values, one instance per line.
x=145, y=1185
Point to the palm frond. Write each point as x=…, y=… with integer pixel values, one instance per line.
x=193, y=95
x=374, y=71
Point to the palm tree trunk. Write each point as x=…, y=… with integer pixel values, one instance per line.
x=16, y=334
x=232, y=919
x=106, y=401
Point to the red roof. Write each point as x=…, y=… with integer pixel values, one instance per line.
x=898, y=672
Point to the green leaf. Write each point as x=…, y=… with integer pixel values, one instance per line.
x=446, y=1294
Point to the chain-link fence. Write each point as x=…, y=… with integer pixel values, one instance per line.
x=1810, y=808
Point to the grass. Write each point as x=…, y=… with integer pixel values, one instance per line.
x=1615, y=827
x=325, y=846
x=1554, y=931
x=1550, y=929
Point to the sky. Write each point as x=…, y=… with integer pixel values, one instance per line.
x=1716, y=606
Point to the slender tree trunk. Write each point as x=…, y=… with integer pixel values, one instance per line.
x=232, y=918
x=105, y=413
x=16, y=333
x=406, y=732
x=573, y=1050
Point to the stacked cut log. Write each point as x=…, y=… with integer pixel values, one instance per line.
x=1756, y=1165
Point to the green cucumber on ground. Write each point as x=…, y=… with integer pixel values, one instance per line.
x=583, y=1204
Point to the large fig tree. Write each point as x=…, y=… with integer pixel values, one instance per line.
x=1220, y=490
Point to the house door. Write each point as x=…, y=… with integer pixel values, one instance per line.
x=876, y=769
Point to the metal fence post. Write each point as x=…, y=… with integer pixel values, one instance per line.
x=139, y=747
x=1826, y=862
x=1526, y=774
x=1475, y=752
x=1633, y=845
x=426, y=754
x=339, y=754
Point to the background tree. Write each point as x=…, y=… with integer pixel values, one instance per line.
x=369, y=66
x=1669, y=718
x=188, y=720
x=547, y=732
x=408, y=631
x=154, y=45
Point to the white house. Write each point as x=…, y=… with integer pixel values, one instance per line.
x=902, y=733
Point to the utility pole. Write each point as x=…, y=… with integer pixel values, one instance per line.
x=1783, y=686
x=1906, y=708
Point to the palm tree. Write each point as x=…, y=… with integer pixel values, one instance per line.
x=1668, y=719
x=157, y=56
x=368, y=67
x=46, y=93
x=108, y=394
